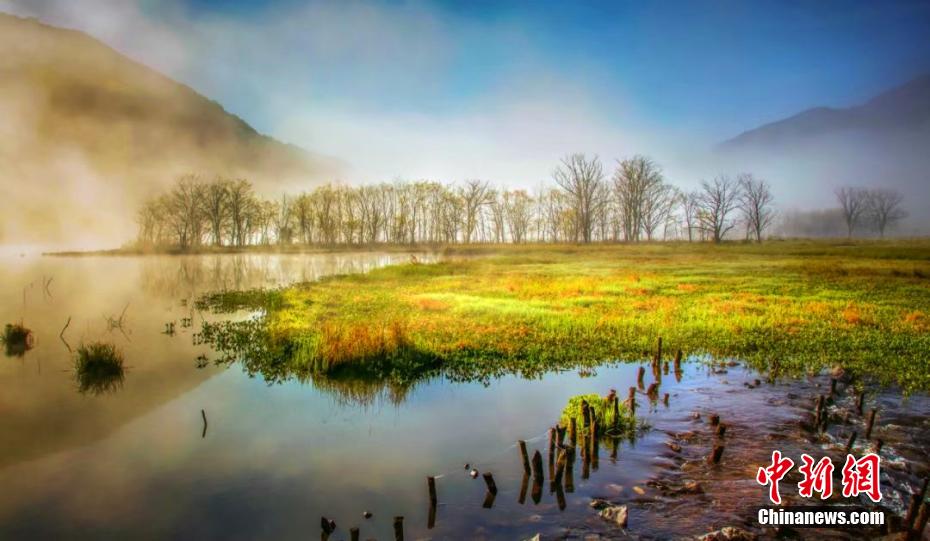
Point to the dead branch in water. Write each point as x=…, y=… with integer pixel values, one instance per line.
x=61, y=335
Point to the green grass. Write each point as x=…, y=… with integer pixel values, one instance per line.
x=529, y=309
x=98, y=368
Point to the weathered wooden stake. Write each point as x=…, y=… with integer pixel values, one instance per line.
x=721, y=430
x=552, y=438
x=353, y=534
x=659, y=350
x=573, y=431
x=859, y=400
x=616, y=413
x=678, y=361
x=489, y=480
x=877, y=445
x=818, y=411
x=714, y=419
x=641, y=375
x=560, y=468
x=524, y=456
x=584, y=414
x=921, y=520
x=665, y=400
x=871, y=421
x=537, y=466
x=653, y=390
x=913, y=509
x=398, y=528
x=523, y=486
x=850, y=442
x=570, y=470
x=832, y=386
x=714, y=456
x=632, y=400
x=431, y=482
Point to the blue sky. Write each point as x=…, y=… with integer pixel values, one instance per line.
x=714, y=66
x=501, y=90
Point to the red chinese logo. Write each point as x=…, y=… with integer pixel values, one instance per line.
x=773, y=474
x=817, y=478
x=861, y=476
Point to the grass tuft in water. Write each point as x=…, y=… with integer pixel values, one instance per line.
x=98, y=368
x=17, y=339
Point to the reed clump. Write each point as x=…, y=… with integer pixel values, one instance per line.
x=99, y=368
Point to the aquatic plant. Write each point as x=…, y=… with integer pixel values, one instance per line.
x=17, y=339
x=604, y=409
x=98, y=368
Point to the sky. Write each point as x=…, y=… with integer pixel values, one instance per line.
x=500, y=90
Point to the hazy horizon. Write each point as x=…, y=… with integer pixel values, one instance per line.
x=501, y=92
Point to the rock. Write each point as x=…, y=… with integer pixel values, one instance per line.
x=367, y=514
x=474, y=474
x=673, y=446
x=328, y=525
x=598, y=503
x=639, y=490
x=691, y=487
x=617, y=514
x=729, y=533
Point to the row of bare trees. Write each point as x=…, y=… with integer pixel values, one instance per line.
x=870, y=208
x=633, y=203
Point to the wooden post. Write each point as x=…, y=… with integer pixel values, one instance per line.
x=912, y=509
x=659, y=350
x=832, y=386
x=572, y=431
x=665, y=400
x=714, y=419
x=877, y=446
x=859, y=400
x=678, y=361
x=721, y=430
x=850, y=442
x=398, y=528
x=431, y=482
x=640, y=376
x=868, y=425
x=632, y=400
x=552, y=438
x=584, y=413
x=570, y=470
x=714, y=456
x=818, y=411
x=616, y=413
x=523, y=486
x=204, y=415
x=560, y=435
x=489, y=480
x=353, y=534
x=653, y=390
x=537, y=466
x=921, y=520
x=524, y=456
x=560, y=468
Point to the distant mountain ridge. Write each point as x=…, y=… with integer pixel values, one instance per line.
x=82, y=122
x=900, y=110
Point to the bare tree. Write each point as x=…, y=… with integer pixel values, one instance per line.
x=241, y=203
x=883, y=207
x=475, y=195
x=215, y=207
x=582, y=179
x=755, y=203
x=690, y=205
x=641, y=195
x=853, y=201
x=717, y=201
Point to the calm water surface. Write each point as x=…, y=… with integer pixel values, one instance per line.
x=135, y=463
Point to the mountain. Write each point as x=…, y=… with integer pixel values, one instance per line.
x=900, y=111
x=881, y=143
x=88, y=133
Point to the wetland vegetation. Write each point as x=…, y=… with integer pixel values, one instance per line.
x=790, y=306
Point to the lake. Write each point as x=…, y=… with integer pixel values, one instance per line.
x=275, y=458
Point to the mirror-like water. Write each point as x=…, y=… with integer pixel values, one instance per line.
x=136, y=462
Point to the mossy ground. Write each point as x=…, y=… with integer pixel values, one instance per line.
x=528, y=309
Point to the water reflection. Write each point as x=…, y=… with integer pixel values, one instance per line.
x=127, y=302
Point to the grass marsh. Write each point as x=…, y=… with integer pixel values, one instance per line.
x=529, y=309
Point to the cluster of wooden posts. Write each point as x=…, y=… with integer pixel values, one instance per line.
x=918, y=512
